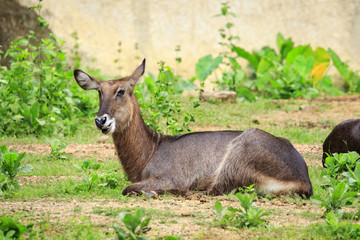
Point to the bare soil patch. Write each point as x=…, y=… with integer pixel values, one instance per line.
x=188, y=216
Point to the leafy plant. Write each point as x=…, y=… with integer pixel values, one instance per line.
x=4, y=181
x=332, y=228
x=160, y=108
x=10, y=162
x=206, y=65
x=56, y=148
x=88, y=182
x=339, y=163
x=353, y=178
x=75, y=55
x=134, y=223
x=248, y=216
x=38, y=94
x=9, y=229
x=287, y=72
x=351, y=78
x=339, y=196
x=110, y=179
x=88, y=164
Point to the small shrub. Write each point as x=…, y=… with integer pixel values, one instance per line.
x=56, y=148
x=110, y=179
x=39, y=95
x=250, y=215
x=339, y=163
x=134, y=223
x=247, y=217
x=339, y=196
x=10, y=166
x=88, y=164
x=352, y=178
x=220, y=213
x=332, y=228
x=9, y=229
x=351, y=78
x=160, y=108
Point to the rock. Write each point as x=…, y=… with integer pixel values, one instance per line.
x=103, y=139
x=223, y=96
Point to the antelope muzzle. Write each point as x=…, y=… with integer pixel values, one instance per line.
x=105, y=124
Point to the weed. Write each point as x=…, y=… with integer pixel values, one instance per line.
x=10, y=162
x=38, y=96
x=339, y=196
x=220, y=213
x=76, y=58
x=339, y=163
x=332, y=228
x=93, y=180
x=251, y=215
x=56, y=148
x=351, y=78
x=247, y=217
x=9, y=229
x=287, y=72
x=88, y=164
x=134, y=224
x=353, y=178
x=161, y=110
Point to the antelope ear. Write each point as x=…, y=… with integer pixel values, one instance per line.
x=85, y=81
x=135, y=76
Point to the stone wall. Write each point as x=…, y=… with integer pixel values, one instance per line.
x=158, y=26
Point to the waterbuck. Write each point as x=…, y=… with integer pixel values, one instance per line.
x=345, y=137
x=213, y=162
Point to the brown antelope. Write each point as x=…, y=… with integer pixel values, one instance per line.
x=345, y=137
x=214, y=162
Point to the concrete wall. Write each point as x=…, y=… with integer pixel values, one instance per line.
x=158, y=26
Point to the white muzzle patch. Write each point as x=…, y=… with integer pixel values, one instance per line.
x=105, y=124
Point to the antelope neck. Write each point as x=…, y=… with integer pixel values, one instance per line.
x=135, y=146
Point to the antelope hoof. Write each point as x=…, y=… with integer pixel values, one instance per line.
x=151, y=194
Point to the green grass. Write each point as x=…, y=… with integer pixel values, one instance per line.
x=56, y=180
x=46, y=165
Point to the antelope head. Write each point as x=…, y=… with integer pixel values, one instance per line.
x=116, y=99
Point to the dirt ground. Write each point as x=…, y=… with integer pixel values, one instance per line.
x=192, y=215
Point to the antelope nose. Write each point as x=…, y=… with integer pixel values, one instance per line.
x=100, y=122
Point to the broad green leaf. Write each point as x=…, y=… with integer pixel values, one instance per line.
x=26, y=168
x=284, y=45
x=206, y=65
x=246, y=55
x=300, y=50
x=264, y=66
x=3, y=149
x=23, y=42
x=317, y=199
x=321, y=56
x=234, y=63
x=8, y=225
x=303, y=64
x=182, y=86
x=35, y=110
x=340, y=66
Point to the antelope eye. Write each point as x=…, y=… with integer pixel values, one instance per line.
x=120, y=92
